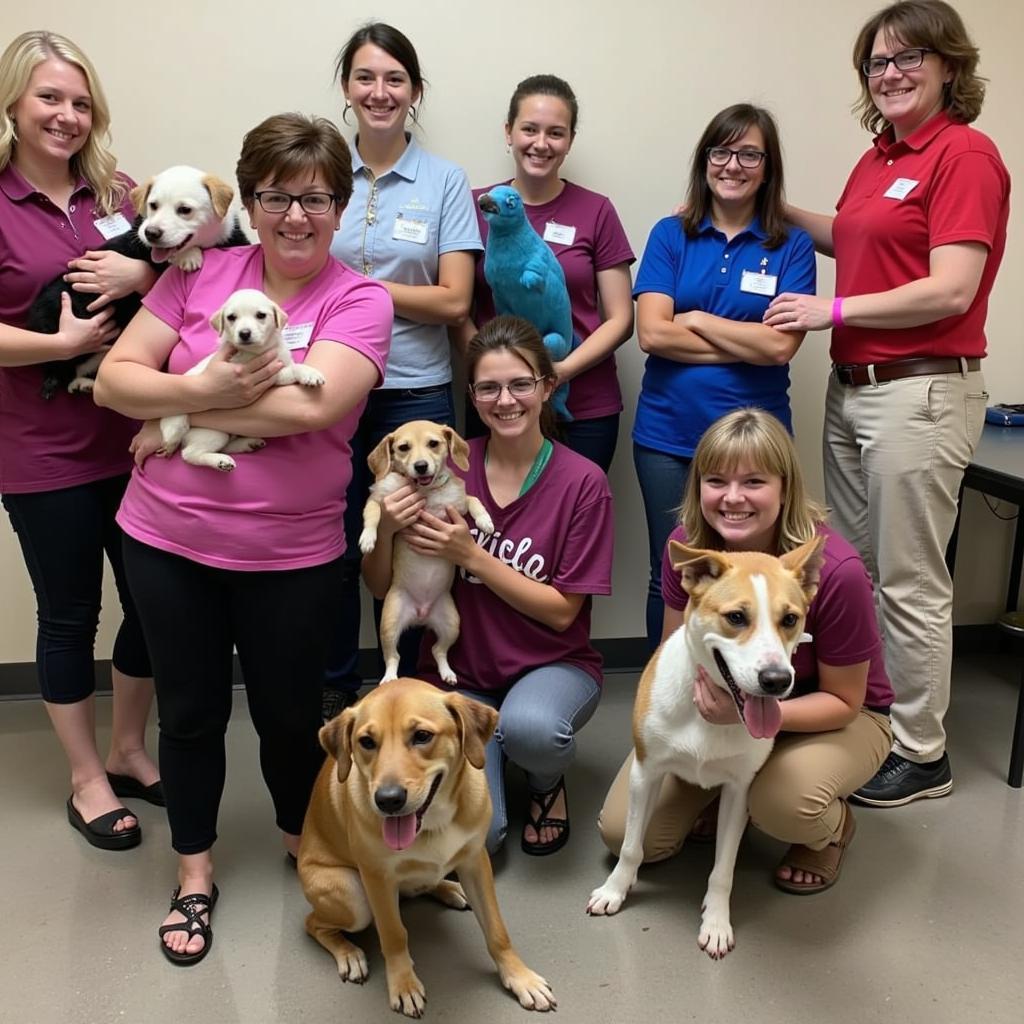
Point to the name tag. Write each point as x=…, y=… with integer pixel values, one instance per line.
x=112, y=226
x=409, y=229
x=560, y=234
x=297, y=336
x=759, y=284
x=901, y=188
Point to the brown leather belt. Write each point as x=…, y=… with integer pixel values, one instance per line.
x=858, y=374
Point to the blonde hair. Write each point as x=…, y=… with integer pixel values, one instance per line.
x=755, y=438
x=93, y=161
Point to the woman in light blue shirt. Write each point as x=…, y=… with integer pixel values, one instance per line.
x=412, y=226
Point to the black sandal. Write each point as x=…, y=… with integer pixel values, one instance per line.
x=192, y=907
x=545, y=802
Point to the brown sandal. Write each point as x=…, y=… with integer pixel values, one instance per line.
x=826, y=863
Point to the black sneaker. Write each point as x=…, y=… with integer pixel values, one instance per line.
x=335, y=701
x=900, y=782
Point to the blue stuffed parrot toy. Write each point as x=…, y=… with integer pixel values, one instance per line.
x=525, y=278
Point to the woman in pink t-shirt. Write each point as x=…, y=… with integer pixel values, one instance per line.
x=248, y=559
x=523, y=592
x=64, y=463
x=745, y=492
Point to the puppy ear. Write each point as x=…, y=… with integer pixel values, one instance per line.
x=697, y=568
x=379, y=460
x=476, y=724
x=805, y=563
x=457, y=448
x=280, y=316
x=221, y=194
x=217, y=320
x=336, y=738
x=139, y=196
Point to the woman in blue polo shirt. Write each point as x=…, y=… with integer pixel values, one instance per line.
x=411, y=224
x=704, y=282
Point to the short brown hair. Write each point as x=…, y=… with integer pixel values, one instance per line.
x=287, y=145
x=936, y=26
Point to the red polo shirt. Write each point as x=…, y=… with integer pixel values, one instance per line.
x=48, y=445
x=954, y=188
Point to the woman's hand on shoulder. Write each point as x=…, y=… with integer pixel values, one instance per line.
x=792, y=312
x=452, y=540
x=228, y=385
x=79, y=336
x=713, y=703
x=109, y=276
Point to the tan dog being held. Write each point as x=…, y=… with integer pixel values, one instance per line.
x=420, y=592
x=399, y=803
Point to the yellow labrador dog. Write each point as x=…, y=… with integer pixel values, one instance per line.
x=400, y=802
x=420, y=592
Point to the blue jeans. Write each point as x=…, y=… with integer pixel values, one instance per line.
x=385, y=411
x=662, y=477
x=540, y=715
x=63, y=535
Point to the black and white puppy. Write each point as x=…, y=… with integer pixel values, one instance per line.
x=181, y=211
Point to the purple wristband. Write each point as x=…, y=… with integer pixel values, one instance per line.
x=837, y=311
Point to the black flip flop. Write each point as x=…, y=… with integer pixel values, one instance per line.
x=192, y=906
x=100, y=831
x=126, y=786
x=545, y=801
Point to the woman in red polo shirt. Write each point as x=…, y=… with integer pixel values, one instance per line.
x=918, y=238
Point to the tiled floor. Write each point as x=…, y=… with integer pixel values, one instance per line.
x=925, y=927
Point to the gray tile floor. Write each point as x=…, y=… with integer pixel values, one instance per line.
x=925, y=927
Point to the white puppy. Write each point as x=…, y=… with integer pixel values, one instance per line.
x=184, y=210
x=249, y=323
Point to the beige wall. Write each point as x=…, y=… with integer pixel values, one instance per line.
x=185, y=80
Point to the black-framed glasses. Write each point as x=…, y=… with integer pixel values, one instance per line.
x=906, y=60
x=316, y=204
x=490, y=390
x=720, y=156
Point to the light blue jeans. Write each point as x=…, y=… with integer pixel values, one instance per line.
x=539, y=716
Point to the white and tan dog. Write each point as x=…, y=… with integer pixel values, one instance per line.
x=184, y=210
x=743, y=620
x=420, y=592
x=400, y=802
x=250, y=324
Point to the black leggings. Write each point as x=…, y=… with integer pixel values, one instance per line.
x=193, y=615
x=63, y=535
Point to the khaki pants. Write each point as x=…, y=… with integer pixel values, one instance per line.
x=795, y=796
x=894, y=457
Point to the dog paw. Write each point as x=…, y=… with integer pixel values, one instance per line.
x=407, y=994
x=451, y=894
x=485, y=524
x=352, y=965
x=390, y=675
x=605, y=901
x=81, y=385
x=309, y=377
x=367, y=541
x=188, y=260
x=532, y=991
x=224, y=463
x=715, y=936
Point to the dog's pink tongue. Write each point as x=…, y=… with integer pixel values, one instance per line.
x=762, y=717
x=159, y=255
x=400, y=831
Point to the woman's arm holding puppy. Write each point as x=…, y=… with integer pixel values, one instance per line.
x=398, y=510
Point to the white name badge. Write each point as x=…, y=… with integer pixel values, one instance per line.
x=409, y=229
x=901, y=188
x=759, y=284
x=112, y=226
x=297, y=336
x=560, y=234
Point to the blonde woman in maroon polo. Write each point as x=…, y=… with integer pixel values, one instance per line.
x=918, y=239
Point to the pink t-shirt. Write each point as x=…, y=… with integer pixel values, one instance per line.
x=560, y=532
x=841, y=619
x=68, y=440
x=282, y=507
x=598, y=242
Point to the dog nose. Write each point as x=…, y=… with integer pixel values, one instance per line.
x=390, y=799
x=244, y=334
x=421, y=467
x=154, y=234
x=774, y=680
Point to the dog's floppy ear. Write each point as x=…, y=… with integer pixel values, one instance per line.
x=458, y=449
x=139, y=195
x=476, y=723
x=804, y=563
x=221, y=194
x=217, y=320
x=695, y=565
x=336, y=738
x=280, y=316
x=379, y=460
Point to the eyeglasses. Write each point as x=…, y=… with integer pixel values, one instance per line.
x=905, y=60
x=316, y=204
x=720, y=156
x=490, y=390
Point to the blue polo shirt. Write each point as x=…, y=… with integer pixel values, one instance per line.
x=679, y=401
x=395, y=228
